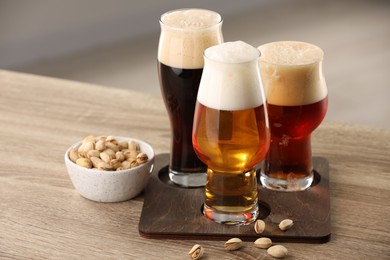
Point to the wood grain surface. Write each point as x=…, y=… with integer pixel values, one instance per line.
x=43, y=217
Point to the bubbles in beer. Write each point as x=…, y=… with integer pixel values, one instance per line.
x=231, y=79
x=292, y=73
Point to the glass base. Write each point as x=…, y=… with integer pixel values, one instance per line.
x=188, y=179
x=286, y=185
x=231, y=218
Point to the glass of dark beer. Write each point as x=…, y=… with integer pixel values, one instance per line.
x=185, y=34
x=297, y=101
x=231, y=133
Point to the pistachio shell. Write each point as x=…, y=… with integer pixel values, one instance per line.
x=263, y=242
x=286, y=224
x=95, y=161
x=85, y=147
x=104, y=166
x=89, y=138
x=84, y=162
x=133, y=164
x=112, y=146
x=120, y=156
x=126, y=165
x=110, y=152
x=277, y=251
x=110, y=138
x=142, y=158
x=123, y=144
x=132, y=155
x=196, y=252
x=259, y=226
x=233, y=244
x=73, y=155
x=100, y=145
x=101, y=138
x=93, y=153
x=133, y=146
x=106, y=157
x=115, y=163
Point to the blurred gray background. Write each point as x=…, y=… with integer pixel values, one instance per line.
x=114, y=43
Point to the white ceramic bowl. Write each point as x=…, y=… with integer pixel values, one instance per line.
x=111, y=186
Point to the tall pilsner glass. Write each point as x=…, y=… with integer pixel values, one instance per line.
x=185, y=34
x=231, y=133
x=297, y=101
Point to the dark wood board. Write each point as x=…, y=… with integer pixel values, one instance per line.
x=172, y=212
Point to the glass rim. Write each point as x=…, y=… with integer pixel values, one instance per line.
x=191, y=29
x=319, y=60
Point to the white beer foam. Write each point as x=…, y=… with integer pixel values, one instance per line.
x=191, y=18
x=185, y=34
x=231, y=78
x=232, y=52
x=292, y=73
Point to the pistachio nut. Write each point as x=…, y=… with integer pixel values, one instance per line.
x=142, y=158
x=286, y=224
x=259, y=226
x=263, y=242
x=84, y=162
x=196, y=252
x=73, y=155
x=277, y=251
x=233, y=244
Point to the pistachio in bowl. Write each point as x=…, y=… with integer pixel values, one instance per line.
x=109, y=168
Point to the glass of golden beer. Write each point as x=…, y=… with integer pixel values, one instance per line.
x=297, y=101
x=230, y=131
x=185, y=34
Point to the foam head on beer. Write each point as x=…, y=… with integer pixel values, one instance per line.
x=185, y=34
x=191, y=18
x=231, y=78
x=292, y=73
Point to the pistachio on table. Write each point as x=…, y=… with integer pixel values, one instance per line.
x=196, y=252
x=107, y=153
x=259, y=226
x=233, y=244
x=277, y=251
x=263, y=242
x=286, y=224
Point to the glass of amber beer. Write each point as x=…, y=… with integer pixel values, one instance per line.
x=185, y=34
x=297, y=101
x=231, y=133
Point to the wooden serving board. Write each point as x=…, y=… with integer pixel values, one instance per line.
x=172, y=212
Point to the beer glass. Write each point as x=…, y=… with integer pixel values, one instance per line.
x=297, y=101
x=185, y=34
x=231, y=133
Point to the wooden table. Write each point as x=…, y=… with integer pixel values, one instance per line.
x=43, y=217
